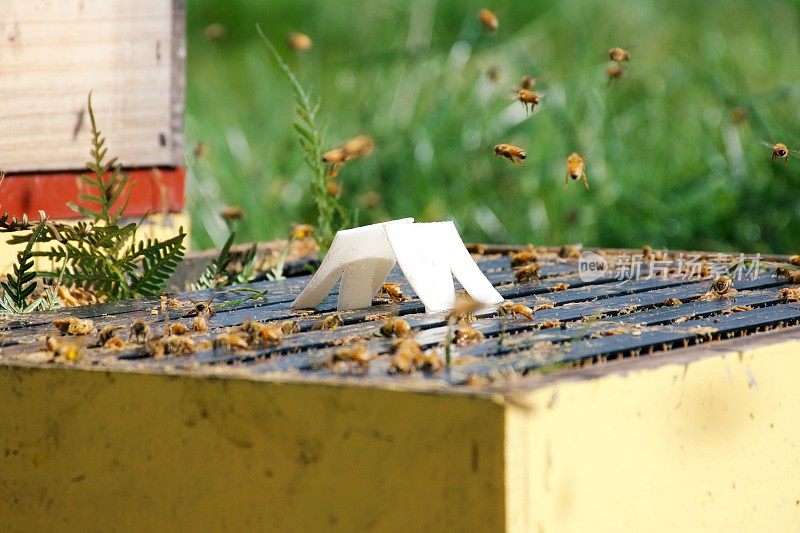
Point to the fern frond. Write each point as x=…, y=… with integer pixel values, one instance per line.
x=21, y=283
x=331, y=214
x=248, y=267
x=108, y=190
x=159, y=261
x=214, y=271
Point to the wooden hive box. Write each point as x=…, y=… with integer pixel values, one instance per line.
x=635, y=404
x=130, y=54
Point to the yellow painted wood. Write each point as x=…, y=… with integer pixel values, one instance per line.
x=158, y=226
x=707, y=442
x=130, y=53
x=710, y=445
x=123, y=451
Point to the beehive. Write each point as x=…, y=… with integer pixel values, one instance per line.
x=130, y=55
x=646, y=403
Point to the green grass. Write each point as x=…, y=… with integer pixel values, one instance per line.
x=666, y=163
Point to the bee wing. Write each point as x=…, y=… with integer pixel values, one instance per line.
x=768, y=144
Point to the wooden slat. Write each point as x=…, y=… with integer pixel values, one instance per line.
x=130, y=53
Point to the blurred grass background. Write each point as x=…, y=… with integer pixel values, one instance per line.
x=667, y=162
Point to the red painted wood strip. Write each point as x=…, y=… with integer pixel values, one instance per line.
x=154, y=190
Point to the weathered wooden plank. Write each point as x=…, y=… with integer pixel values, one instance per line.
x=130, y=53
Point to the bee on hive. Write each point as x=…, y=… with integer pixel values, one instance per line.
x=511, y=309
x=514, y=154
x=139, y=329
x=576, y=169
x=395, y=327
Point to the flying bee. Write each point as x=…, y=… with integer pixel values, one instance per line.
x=528, y=273
x=494, y=73
x=333, y=188
x=779, y=150
x=393, y=291
x=139, y=329
x=232, y=212
x=464, y=308
x=528, y=82
x=619, y=54
x=615, y=72
x=511, y=309
x=70, y=351
x=514, y=154
x=576, y=169
x=299, y=42
x=489, y=20
x=302, y=231
x=528, y=98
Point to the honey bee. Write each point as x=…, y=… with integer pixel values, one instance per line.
x=289, y=327
x=229, y=341
x=550, y=324
x=299, y=42
x=528, y=82
x=466, y=335
x=779, y=150
x=514, y=154
x=789, y=295
x=559, y=287
x=302, y=231
x=267, y=335
x=528, y=273
x=359, y=146
x=107, y=333
x=73, y=326
x=464, y=308
x=333, y=188
x=155, y=348
x=232, y=212
x=528, y=98
x=431, y=360
x=202, y=308
x=114, y=343
x=722, y=285
x=619, y=54
x=576, y=169
x=511, y=309
x=615, y=72
x=200, y=324
x=393, y=291
x=139, y=329
x=489, y=20
x=407, y=353
x=524, y=257
x=328, y=323
x=178, y=345
x=672, y=302
x=178, y=328
x=357, y=355
x=395, y=327
x=570, y=251
x=69, y=351
x=795, y=260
